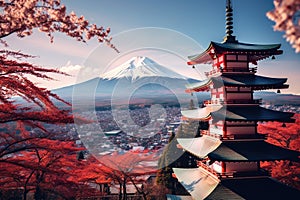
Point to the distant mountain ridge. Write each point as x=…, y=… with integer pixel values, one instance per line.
x=277, y=98
x=139, y=77
x=142, y=79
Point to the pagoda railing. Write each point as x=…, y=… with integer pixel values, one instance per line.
x=231, y=69
x=245, y=137
x=239, y=69
x=233, y=174
x=243, y=101
x=207, y=168
x=235, y=136
x=208, y=133
x=236, y=101
x=212, y=72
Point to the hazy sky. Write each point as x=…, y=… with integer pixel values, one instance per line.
x=195, y=22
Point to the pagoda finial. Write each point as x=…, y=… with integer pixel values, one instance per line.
x=229, y=24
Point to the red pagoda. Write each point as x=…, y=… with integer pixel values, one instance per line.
x=231, y=150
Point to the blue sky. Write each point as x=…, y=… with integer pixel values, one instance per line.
x=199, y=20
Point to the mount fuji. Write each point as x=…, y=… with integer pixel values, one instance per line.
x=138, y=79
x=141, y=67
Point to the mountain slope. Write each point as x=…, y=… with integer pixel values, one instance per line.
x=140, y=67
x=139, y=77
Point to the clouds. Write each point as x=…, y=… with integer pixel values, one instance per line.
x=71, y=69
x=61, y=80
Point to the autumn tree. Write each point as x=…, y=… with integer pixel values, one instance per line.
x=32, y=157
x=126, y=168
x=286, y=16
x=43, y=166
x=286, y=135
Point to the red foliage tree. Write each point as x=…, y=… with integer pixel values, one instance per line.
x=287, y=136
x=50, y=170
x=36, y=161
x=127, y=168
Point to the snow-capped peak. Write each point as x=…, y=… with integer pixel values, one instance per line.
x=139, y=67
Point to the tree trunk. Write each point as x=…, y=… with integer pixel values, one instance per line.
x=124, y=190
x=120, y=192
x=25, y=194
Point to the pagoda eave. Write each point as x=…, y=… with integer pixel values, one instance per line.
x=201, y=114
x=197, y=181
x=270, y=87
x=202, y=184
x=251, y=113
x=200, y=146
x=252, y=151
x=199, y=86
x=255, y=52
x=255, y=188
x=232, y=80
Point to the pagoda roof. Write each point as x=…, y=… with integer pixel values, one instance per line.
x=238, y=151
x=239, y=80
x=258, y=188
x=251, y=113
x=255, y=51
x=203, y=185
x=200, y=146
x=197, y=181
x=202, y=114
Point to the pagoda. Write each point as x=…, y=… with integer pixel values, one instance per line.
x=231, y=150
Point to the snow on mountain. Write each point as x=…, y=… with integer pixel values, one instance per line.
x=140, y=67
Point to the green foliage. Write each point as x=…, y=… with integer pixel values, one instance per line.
x=176, y=157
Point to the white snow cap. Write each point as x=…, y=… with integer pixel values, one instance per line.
x=139, y=67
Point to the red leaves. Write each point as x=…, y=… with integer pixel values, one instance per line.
x=14, y=82
x=287, y=137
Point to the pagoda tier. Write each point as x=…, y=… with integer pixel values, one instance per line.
x=229, y=152
x=252, y=52
x=252, y=81
x=202, y=184
x=251, y=113
x=250, y=151
x=237, y=113
x=236, y=151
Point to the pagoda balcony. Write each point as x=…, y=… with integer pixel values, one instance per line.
x=235, y=101
x=233, y=174
x=235, y=136
x=212, y=72
x=243, y=101
x=207, y=168
x=245, y=137
x=208, y=133
x=239, y=69
x=252, y=70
